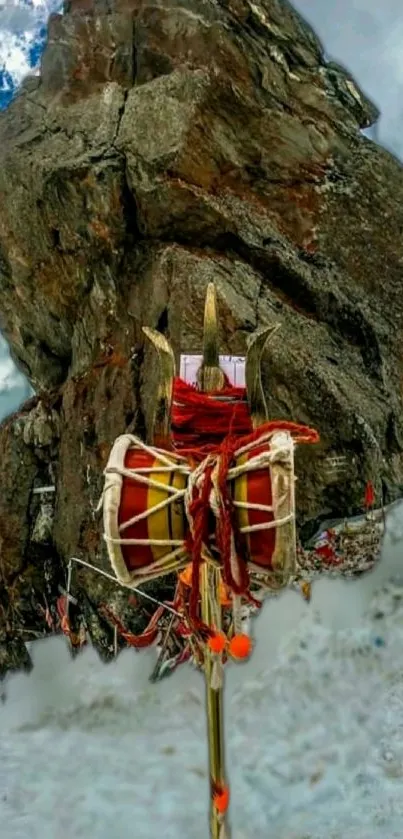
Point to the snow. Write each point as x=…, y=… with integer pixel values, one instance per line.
x=314, y=729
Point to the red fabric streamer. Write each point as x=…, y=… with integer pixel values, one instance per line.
x=202, y=420
x=145, y=639
x=369, y=495
x=226, y=524
x=199, y=511
x=218, y=423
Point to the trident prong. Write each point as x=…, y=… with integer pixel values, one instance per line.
x=161, y=431
x=253, y=374
x=210, y=376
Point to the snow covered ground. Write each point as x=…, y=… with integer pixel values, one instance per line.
x=314, y=729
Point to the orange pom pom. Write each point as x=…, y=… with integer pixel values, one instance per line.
x=217, y=642
x=240, y=646
x=221, y=800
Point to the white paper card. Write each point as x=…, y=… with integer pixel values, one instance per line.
x=232, y=365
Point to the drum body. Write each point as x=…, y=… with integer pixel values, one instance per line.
x=255, y=487
x=164, y=521
x=144, y=523
x=266, y=511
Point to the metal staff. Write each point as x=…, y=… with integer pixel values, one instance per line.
x=210, y=378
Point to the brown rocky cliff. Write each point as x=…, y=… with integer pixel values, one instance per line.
x=166, y=145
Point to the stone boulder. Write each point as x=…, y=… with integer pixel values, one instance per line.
x=165, y=145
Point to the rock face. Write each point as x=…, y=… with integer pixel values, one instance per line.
x=167, y=144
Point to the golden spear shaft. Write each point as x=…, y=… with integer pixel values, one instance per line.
x=211, y=378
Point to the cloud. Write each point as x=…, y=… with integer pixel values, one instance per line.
x=14, y=57
x=17, y=15
x=14, y=387
x=11, y=379
x=9, y=375
x=366, y=37
x=22, y=28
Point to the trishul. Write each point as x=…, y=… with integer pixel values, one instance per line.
x=210, y=378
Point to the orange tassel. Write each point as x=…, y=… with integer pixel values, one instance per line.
x=185, y=577
x=221, y=800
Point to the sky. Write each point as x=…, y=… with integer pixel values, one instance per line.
x=365, y=36
x=22, y=39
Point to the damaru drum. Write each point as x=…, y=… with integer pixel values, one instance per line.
x=144, y=508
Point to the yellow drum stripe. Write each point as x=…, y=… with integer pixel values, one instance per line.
x=177, y=510
x=240, y=493
x=158, y=523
